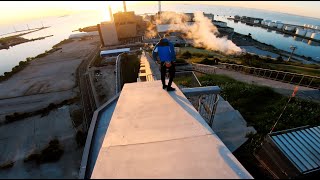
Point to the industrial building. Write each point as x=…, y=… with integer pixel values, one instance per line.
x=126, y=24
x=108, y=33
x=124, y=27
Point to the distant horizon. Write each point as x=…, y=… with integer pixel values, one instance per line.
x=39, y=10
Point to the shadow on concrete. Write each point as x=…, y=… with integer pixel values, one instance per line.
x=225, y=154
x=183, y=102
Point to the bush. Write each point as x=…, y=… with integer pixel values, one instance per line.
x=51, y=153
x=186, y=55
x=279, y=58
x=81, y=138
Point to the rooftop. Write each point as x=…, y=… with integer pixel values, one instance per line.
x=159, y=134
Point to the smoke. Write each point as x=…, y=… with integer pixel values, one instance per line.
x=202, y=32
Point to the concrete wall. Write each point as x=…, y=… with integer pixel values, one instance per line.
x=109, y=33
x=127, y=30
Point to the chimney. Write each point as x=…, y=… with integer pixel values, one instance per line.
x=159, y=6
x=124, y=6
x=110, y=11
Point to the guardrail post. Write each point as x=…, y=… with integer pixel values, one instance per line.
x=292, y=78
x=310, y=82
x=284, y=77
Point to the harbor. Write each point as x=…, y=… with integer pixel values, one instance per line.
x=309, y=32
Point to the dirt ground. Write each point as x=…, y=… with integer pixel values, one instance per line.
x=50, y=79
x=21, y=138
x=104, y=84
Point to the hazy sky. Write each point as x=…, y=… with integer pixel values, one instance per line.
x=15, y=11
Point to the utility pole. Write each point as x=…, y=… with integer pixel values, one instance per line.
x=14, y=29
x=28, y=27
x=293, y=48
x=110, y=12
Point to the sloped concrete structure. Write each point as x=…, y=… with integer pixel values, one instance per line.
x=158, y=134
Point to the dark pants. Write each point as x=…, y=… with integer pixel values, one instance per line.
x=172, y=72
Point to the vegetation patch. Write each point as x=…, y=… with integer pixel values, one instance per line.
x=23, y=64
x=6, y=165
x=81, y=138
x=44, y=112
x=260, y=106
x=51, y=153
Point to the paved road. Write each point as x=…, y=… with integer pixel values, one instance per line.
x=280, y=87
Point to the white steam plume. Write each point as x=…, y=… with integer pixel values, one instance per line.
x=202, y=32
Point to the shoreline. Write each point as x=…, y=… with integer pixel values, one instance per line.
x=24, y=63
x=10, y=41
x=249, y=41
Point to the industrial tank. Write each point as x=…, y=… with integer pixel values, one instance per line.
x=309, y=33
x=277, y=22
x=289, y=28
x=315, y=35
x=266, y=22
x=301, y=32
x=256, y=21
x=279, y=25
x=272, y=24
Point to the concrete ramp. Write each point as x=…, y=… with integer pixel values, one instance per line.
x=158, y=134
x=231, y=127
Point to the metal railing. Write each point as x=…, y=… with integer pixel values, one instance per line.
x=208, y=69
x=283, y=76
x=118, y=73
x=207, y=99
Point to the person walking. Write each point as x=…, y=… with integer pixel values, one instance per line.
x=164, y=49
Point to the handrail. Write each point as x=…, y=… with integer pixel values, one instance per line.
x=269, y=70
x=207, y=102
x=283, y=76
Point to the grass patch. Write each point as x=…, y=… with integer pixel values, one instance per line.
x=51, y=153
x=296, y=69
x=260, y=106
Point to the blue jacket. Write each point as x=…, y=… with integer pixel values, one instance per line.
x=165, y=51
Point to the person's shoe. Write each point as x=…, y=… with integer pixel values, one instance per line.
x=164, y=86
x=170, y=89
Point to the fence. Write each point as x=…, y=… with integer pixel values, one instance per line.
x=204, y=68
x=287, y=77
x=207, y=98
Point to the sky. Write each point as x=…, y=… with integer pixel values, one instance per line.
x=18, y=11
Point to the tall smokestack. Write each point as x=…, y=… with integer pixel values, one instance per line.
x=159, y=6
x=124, y=6
x=110, y=11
